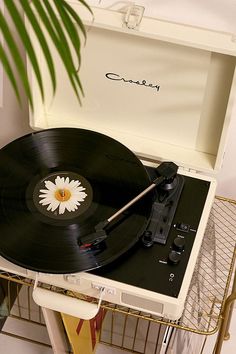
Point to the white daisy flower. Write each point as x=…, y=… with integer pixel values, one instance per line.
x=63, y=194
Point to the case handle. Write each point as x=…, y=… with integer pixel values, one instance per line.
x=66, y=304
x=133, y=16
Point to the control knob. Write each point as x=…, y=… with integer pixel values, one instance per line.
x=174, y=257
x=147, y=239
x=178, y=244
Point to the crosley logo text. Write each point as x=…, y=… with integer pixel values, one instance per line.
x=116, y=77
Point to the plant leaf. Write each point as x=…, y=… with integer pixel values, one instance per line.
x=86, y=5
x=58, y=44
x=41, y=38
x=66, y=47
x=69, y=26
x=16, y=57
x=42, y=16
x=20, y=26
x=6, y=64
x=75, y=16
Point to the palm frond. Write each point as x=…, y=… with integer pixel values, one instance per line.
x=43, y=43
x=69, y=26
x=16, y=56
x=65, y=51
x=20, y=26
x=8, y=69
x=53, y=19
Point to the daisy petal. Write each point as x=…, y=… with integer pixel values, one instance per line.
x=67, y=182
x=62, y=208
x=54, y=204
x=59, y=182
x=45, y=201
x=68, y=206
x=74, y=184
x=44, y=190
x=50, y=185
x=80, y=189
x=47, y=195
x=79, y=193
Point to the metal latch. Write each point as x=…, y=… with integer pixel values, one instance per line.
x=133, y=16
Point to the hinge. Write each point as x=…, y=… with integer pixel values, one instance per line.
x=133, y=16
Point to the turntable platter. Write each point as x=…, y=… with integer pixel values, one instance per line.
x=55, y=186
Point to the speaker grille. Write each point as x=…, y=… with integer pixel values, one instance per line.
x=149, y=305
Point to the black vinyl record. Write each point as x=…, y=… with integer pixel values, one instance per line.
x=56, y=185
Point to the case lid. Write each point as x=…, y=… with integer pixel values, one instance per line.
x=163, y=89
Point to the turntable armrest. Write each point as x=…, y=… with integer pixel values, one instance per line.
x=65, y=304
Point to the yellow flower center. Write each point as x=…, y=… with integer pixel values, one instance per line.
x=62, y=195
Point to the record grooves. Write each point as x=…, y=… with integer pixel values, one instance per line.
x=55, y=186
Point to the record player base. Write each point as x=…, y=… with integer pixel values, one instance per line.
x=206, y=310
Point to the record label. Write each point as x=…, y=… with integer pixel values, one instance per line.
x=62, y=195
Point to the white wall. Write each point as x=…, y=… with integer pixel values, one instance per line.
x=13, y=118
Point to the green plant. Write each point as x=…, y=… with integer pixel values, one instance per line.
x=64, y=27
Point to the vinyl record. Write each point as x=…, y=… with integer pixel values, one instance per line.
x=56, y=185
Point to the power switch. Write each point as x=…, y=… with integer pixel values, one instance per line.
x=183, y=227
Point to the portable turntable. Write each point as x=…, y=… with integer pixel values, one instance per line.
x=158, y=96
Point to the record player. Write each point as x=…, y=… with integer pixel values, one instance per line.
x=156, y=111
